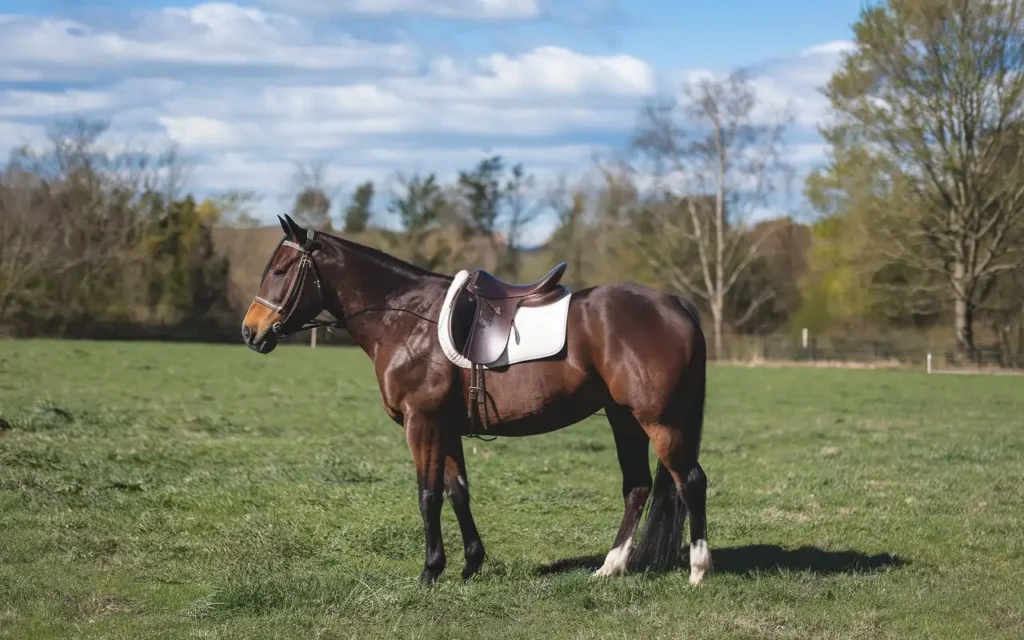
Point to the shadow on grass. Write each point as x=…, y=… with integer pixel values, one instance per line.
x=756, y=558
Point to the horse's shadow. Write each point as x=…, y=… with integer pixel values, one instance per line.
x=758, y=558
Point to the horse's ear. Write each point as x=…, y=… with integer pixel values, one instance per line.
x=297, y=232
x=284, y=225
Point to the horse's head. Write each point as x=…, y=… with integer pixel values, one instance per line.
x=290, y=294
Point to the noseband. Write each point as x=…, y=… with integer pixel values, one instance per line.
x=293, y=294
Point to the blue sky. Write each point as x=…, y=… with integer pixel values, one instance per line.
x=246, y=89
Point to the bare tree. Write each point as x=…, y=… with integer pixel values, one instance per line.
x=716, y=163
x=27, y=237
x=72, y=219
x=314, y=193
x=523, y=209
x=568, y=240
x=236, y=207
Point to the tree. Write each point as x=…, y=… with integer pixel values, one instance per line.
x=71, y=225
x=357, y=214
x=716, y=164
x=236, y=208
x=312, y=205
x=90, y=237
x=567, y=242
x=932, y=95
x=420, y=205
x=522, y=211
x=480, y=192
x=779, y=269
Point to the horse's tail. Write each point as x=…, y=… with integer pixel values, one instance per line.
x=660, y=544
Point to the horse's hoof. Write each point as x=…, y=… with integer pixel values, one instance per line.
x=700, y=561
x=474, y=560
x=615, y=561
x=470, y=571
x=429, y=577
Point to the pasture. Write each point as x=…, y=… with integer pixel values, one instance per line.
x=196, y=491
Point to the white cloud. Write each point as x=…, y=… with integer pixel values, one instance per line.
x=206, y=34
x=470, y=9
x=247, y=91
x=20, y=104
x=544, y=71
x=828, y=48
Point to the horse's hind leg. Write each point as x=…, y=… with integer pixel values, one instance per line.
x=631, y=447
x=695, y=496
x=679, y=458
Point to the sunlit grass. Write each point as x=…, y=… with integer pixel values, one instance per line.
x=181, y=491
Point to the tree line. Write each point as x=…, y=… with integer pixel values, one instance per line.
x=917, y=214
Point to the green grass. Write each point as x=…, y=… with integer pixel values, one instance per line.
x=193, y=491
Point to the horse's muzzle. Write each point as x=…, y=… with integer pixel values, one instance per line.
x=263, y=343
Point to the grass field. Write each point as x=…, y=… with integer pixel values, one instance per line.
x=193, y=491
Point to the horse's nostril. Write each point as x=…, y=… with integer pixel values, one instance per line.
x=246, y=333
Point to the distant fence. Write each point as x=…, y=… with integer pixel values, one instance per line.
x=842, y=350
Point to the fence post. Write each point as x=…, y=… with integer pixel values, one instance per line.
x=312, y=338
x=929, y=362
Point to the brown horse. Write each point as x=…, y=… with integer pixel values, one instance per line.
x=636, y=353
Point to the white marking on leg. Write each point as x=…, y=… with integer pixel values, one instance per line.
x=615, y=561
x=462, y=483
x=700, y=561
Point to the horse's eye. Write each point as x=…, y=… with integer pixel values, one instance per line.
x=279, y=272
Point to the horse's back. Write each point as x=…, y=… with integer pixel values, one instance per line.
x=629, y=309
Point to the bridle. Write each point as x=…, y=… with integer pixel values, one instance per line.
x=288, y=306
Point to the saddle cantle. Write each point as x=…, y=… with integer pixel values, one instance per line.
x=486, y=322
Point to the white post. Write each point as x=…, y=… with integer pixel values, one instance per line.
x=805, y=337
x=312, y=338
x=929, y=362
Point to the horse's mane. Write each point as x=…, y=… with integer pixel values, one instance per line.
x=384, y=258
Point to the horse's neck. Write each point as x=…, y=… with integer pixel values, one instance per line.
x=375, y=296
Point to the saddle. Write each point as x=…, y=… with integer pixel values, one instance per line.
x=487, y=308
x=496, y=302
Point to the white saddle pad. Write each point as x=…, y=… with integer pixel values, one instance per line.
x=541, y=329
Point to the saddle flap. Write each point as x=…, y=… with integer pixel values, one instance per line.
x=490, y=329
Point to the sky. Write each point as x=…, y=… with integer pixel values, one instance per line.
x=247, y=89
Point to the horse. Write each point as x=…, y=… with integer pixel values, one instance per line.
x=637, y=353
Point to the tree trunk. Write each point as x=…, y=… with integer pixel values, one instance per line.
x=716, y=321
x=964, y=322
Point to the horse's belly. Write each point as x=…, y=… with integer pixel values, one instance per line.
x=531, y=398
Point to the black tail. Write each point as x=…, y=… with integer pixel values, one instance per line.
x=660, y=542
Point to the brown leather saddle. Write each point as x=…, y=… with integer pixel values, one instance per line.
x=484, y=320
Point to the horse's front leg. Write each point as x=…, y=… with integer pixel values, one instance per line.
x=428, y=452
x=456, y=486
